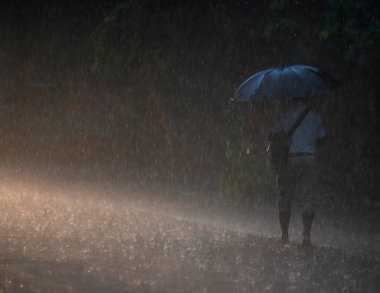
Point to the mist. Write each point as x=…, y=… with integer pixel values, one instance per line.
x=125, y=167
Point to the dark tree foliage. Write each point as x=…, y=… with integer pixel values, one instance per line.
x=174, y=65
x=211, y=47
x=180, y=43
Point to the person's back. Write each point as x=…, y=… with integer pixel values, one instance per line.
x=307, y=134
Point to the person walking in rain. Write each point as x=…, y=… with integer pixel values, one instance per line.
x=295, y=137
x=299, y=177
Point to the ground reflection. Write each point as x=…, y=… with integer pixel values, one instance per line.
x=77, y=237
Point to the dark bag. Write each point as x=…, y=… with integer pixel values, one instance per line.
x=279, y=144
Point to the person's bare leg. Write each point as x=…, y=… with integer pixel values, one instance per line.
x=284, y=218
x=307, y=218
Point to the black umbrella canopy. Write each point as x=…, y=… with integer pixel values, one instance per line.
x=277, y=84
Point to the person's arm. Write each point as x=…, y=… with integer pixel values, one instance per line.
x=276, y=129
x=271, y=136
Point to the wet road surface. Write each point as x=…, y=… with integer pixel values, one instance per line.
x=91, y=237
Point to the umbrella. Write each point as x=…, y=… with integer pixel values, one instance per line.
x=277, y=84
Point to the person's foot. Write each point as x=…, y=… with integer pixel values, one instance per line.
x=284, y=240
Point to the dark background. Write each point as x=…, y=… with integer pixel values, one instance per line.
x=139, y=89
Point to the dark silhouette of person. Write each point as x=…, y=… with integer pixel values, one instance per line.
x=299, y=178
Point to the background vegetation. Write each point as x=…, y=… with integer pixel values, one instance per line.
x=164, y=71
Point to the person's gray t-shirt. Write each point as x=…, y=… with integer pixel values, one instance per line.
x=305, y=137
